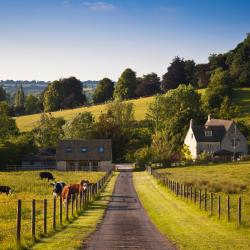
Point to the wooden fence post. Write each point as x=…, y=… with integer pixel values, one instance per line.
x=60, y=211
x=228, y=208
x=219, y=207
x=200, y=198
x=33, y=220
x=54, y=213
x=45, y=216
x=76, y=203
x=191, y=194
x=205, y=200
x=195, y=192
x=18, y=222
x=211, y=203
x=239, y=211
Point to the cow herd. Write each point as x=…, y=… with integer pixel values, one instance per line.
x=60, y=189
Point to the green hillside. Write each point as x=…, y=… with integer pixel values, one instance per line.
x=27, y=122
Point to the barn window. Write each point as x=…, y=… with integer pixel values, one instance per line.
x=235, y=143
x=84, y=149
x=68, y=149
x=101, y=149
x=208, y=133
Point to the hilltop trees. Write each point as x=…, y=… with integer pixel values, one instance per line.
x=32, y=104
x=148, y=85
x=104, y=91
x=64, y=93
x=126, y=85
x=19, y=100
x=3, y=95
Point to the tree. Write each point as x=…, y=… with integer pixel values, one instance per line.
x=32, y=104
x=48, y=131
x=104, y=91
x=65, y=93
x=80, y=127
x=171, y=113
x=175, y=75
x=126, y=85
x=3, y=95
x=190, y=73
x=220, y=77
x=116, y=124
x=148, y=85
x=8, y=126
x=19, y=100
x=202, y=75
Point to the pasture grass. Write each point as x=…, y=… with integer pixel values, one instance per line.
x=74, y=235
x=183, y=223
x=222, y=179
x=28, y=186
x=28, y=122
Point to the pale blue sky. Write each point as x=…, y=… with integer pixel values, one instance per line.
x=50, y=39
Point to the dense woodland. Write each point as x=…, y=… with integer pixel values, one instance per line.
x=158, y=138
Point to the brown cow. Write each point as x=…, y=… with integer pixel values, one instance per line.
x=73, y=189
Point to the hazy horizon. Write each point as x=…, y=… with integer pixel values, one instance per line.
x=47, y=40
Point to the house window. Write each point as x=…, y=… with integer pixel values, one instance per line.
x=208, y=133
x=101, y=149
x=83, y=150
x=209, y=146
x=235, y=143
x=68, y=149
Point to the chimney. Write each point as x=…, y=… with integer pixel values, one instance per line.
x=191, y=123
x=209, y=117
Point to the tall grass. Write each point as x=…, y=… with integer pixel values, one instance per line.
x=28, y=186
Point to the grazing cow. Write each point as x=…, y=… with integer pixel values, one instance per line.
x=57, y=188
x=6, y=190
x=68, y=190
x=46, y=175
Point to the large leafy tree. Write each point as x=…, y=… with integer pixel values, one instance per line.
x=8, y=126
x=148, y=85
x=202, y=72
x=104, y=91
x=64, y=93
x=172, y=112
x=175, y=75
x=32, y=104
x=80, y=127
x=126, y=85
x=48, y=130
x=19, y=100
x=116, y=124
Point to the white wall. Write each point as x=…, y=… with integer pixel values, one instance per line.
x=191, y=143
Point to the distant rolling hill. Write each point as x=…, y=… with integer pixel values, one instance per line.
x=241, y=98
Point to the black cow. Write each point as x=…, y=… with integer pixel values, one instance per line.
x=58, y=187
x=46, y=175
x=6, y=190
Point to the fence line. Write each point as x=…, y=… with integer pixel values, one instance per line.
x=78, y=204
x=200, y=197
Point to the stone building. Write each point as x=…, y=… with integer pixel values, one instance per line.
x=218, y=137
x=90, y=155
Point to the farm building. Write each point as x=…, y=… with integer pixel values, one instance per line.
x=218, y=137
x=92, y=154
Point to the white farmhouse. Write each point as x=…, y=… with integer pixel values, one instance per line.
x=216, y=136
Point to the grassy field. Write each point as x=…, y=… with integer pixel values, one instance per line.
x=224, y=179
x=26, y=123
x=28, y=186
x=183, y=223
x=85, y=224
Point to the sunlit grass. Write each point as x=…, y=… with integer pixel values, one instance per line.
x=26, y=123
x=223, y=179
x=28, y=186
x=183, y=223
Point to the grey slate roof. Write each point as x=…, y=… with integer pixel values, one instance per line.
x=219, y=122
x=74, y=150
x=218, y=132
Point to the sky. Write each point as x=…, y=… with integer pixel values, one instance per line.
x=51, y=39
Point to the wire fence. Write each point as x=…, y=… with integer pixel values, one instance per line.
x=229, y=208
x=38, y=218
